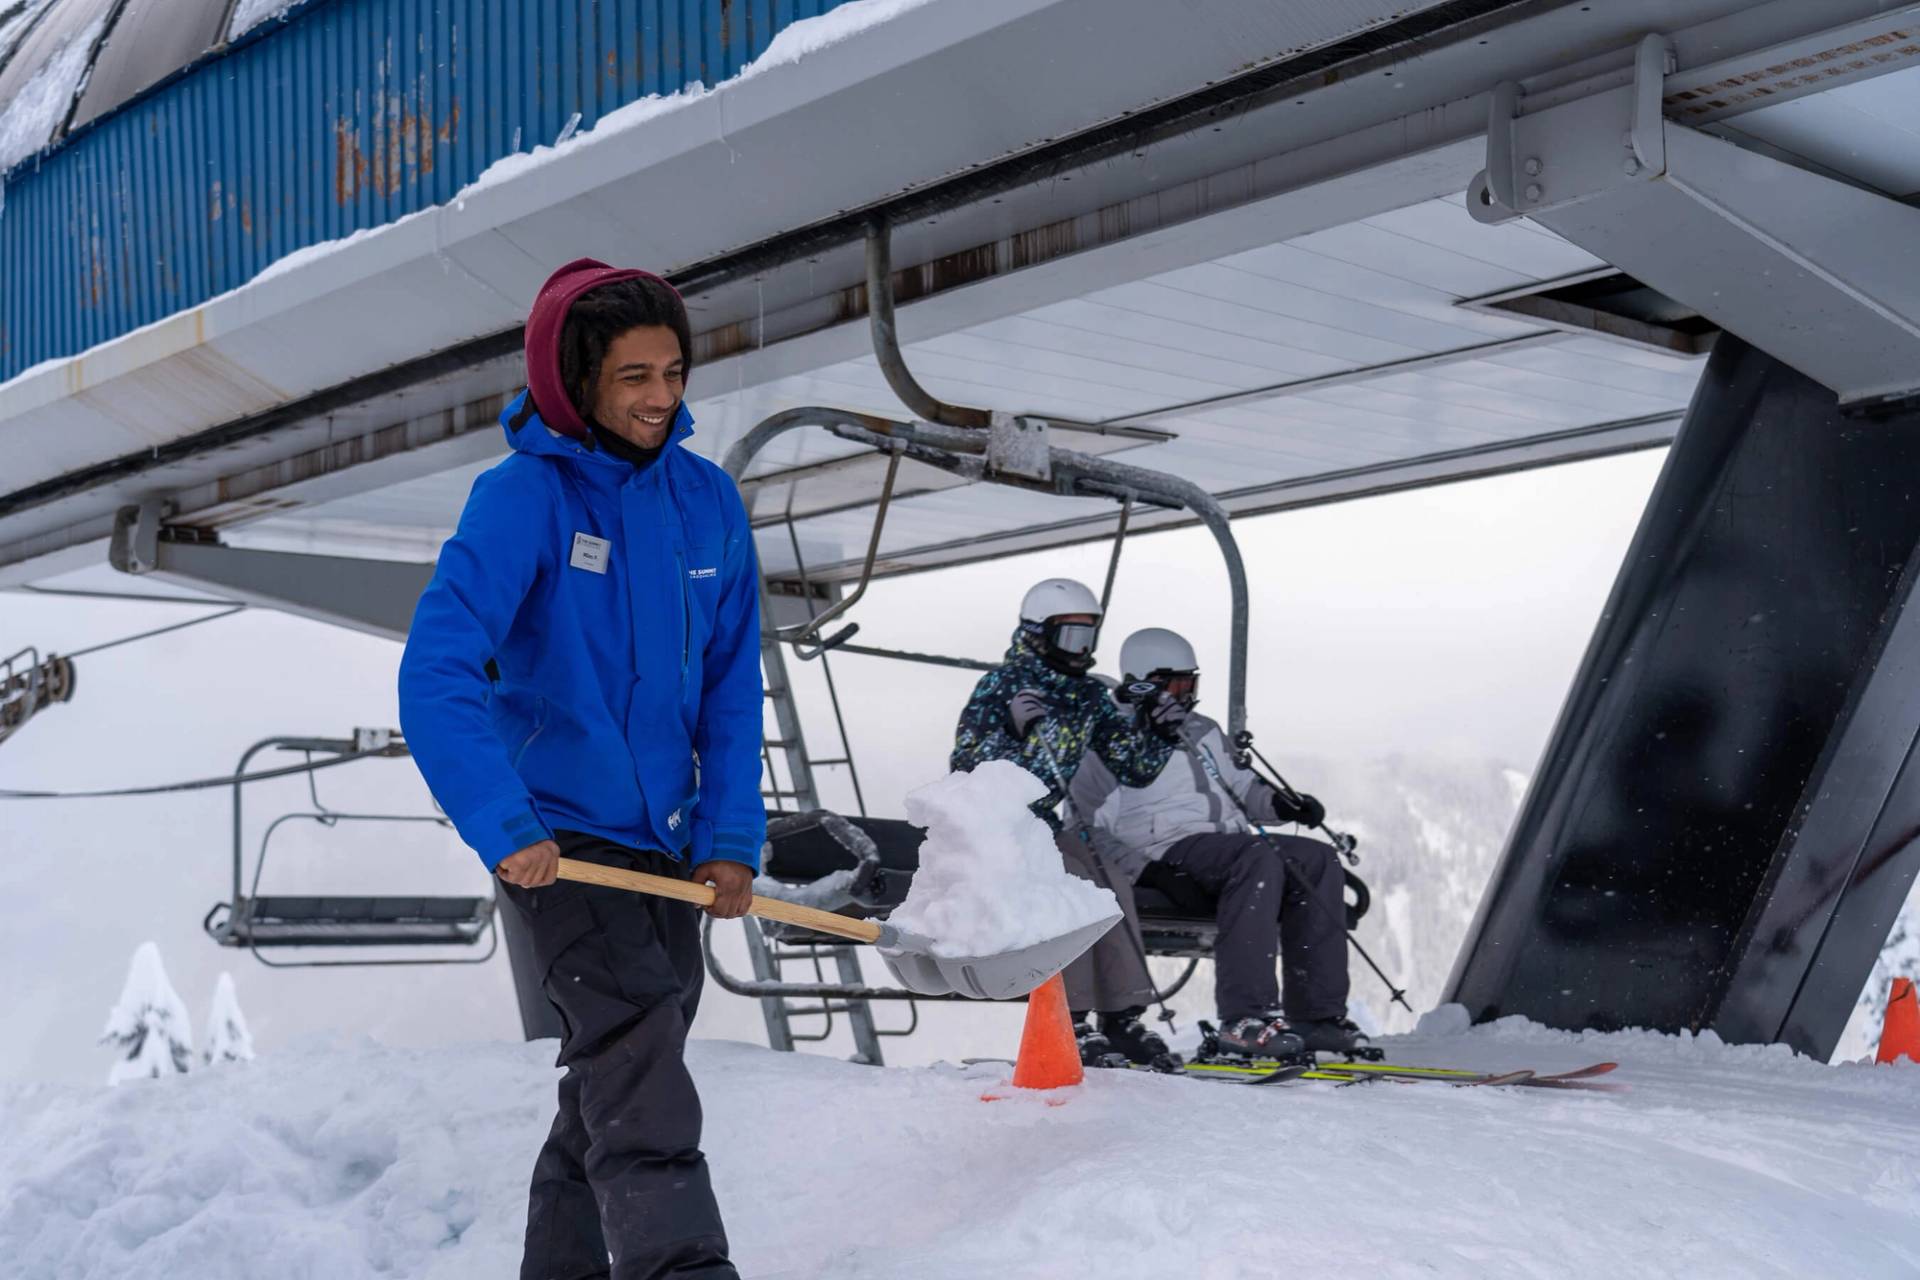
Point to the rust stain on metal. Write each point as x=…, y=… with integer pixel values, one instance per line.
x=213, y=213
x=349, y=161
x=96, y=270
x=717, y=344
x=246, y=216
x=1044, y=243
x=983, y=261
x=398, y=147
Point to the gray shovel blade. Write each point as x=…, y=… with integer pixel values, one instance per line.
x=999, y=976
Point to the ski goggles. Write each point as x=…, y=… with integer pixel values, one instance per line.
x=1181, y=685
x=1076, y=638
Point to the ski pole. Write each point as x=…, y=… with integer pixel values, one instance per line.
x=1205, y=761
x=1343, y=842
x=1106, y=881
x=1399, y=995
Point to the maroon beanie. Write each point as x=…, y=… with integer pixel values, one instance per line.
x=544, y=322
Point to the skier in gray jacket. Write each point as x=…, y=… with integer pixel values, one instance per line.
x=1274, y=896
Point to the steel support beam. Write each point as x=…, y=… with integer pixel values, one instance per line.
x=374, y=596
x=1817, y=272
x=1721, y=829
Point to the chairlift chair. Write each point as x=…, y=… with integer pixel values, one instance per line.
x=1004, y=449
x=259, y=921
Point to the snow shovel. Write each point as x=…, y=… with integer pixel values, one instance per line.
x=1000, y=975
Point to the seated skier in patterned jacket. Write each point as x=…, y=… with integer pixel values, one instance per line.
x=1043, y=711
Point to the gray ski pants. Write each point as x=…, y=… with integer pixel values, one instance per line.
x=1109, y=976
x=1258, y=881
x=621, y=1172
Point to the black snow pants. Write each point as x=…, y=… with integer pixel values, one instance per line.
x=1257, y=881
x=621, y=1172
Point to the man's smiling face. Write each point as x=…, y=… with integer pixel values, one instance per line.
x=640, y=385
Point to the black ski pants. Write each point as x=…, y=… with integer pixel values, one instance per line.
x=1258, y=881
x=621, y=1173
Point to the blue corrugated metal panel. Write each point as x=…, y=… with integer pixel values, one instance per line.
x=355, y=113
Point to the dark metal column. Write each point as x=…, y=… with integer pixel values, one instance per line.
x=1721, y=829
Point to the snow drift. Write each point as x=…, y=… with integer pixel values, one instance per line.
x=352, y=1159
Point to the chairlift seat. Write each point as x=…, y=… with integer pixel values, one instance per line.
x=1176, y=913
x=298, y=921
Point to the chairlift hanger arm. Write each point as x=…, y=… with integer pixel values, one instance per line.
x=886, y=340
x=1005, y=449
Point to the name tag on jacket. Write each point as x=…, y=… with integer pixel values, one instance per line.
x=590, y=553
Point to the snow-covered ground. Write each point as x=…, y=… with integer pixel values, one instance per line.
x=352, y=1159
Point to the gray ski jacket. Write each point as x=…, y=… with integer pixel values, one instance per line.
x=1131, y=826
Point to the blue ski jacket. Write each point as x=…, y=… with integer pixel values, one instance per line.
x=587, y=655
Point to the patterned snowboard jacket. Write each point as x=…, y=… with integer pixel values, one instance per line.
x=1084, y=720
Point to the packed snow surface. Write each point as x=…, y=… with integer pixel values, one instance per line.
x=990, y=876
x=352, y=1159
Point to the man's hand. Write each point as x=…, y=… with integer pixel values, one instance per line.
x=533, y=867
x=1308, y=812
x=1024, y=708
x=1164, y=714
x=732, y=887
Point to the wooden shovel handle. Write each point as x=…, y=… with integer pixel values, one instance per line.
x=702, y=895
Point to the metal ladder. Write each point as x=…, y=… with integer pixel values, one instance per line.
x=800, y=794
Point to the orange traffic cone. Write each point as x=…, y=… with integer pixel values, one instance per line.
x=1049, y=1055
x=1900, y=1038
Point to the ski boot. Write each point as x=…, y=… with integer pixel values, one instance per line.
x=1138, y=1042
x=1266, y=1036
x=1095, y=1049
x=1335, y=1035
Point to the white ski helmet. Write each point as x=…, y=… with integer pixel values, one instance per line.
x=1055, y=597
x=1152, y=649
x=1067, y=647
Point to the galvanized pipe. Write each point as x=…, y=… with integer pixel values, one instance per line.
x=886, y=339
x=1088, y=474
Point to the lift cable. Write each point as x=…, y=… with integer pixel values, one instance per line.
x=139, y=596
x=198, y=784
x=157, y=631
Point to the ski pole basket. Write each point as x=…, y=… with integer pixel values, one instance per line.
x=259, y=921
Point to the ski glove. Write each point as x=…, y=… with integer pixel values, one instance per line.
x=1164, y=714
x=1024, y=708
x=1306, y=811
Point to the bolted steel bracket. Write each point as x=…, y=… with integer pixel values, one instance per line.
x=1018, y=446
x=1566, y=154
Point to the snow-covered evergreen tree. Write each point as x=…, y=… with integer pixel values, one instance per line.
x=1900, y=958
x=149, y=1024
x=227, y=1037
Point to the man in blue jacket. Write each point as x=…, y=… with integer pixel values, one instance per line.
x=582, y=679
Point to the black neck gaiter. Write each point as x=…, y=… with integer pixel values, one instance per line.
x=625, y=449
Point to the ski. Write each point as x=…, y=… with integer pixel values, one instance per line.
x=1578, y=1073
x=1277, y=1074
x=1354, y=1072
x=1580, y=1079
